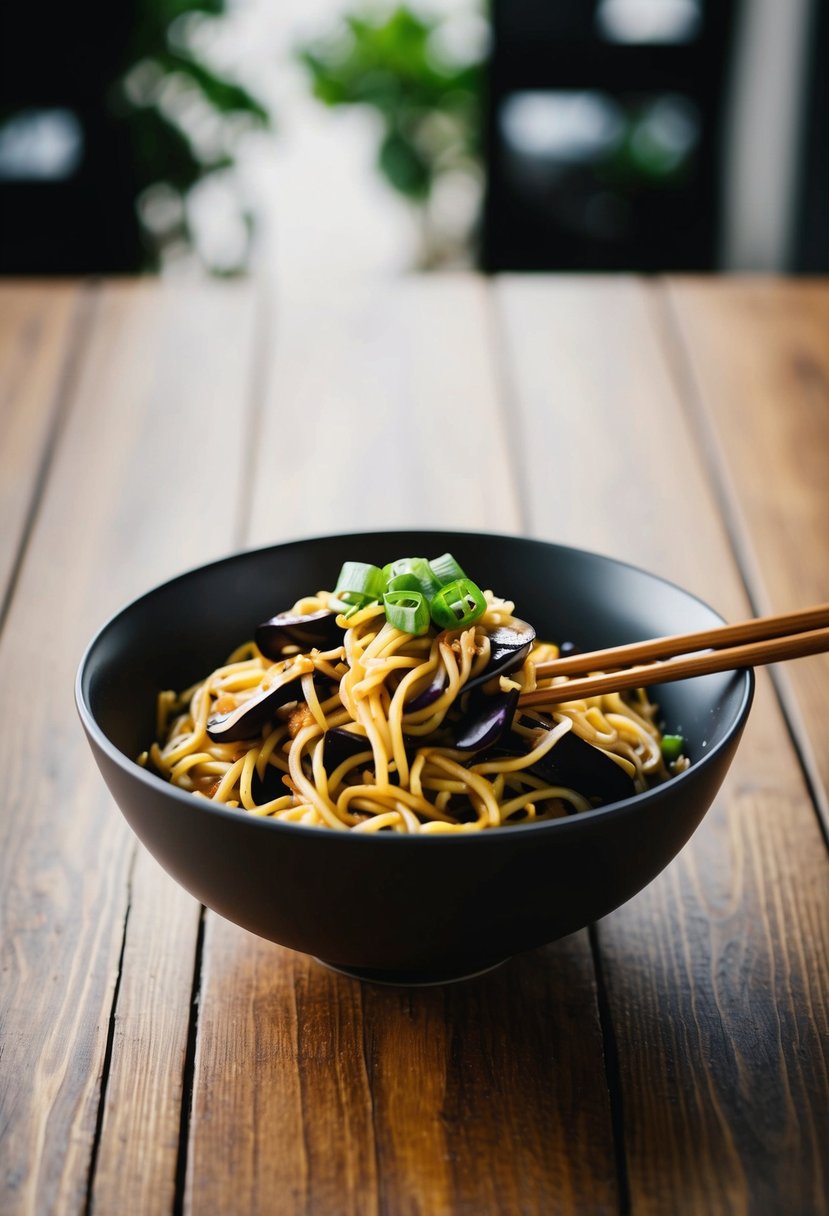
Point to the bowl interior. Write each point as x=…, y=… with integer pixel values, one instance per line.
x=175, y=634
x=357, y=900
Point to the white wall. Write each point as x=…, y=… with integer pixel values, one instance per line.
x=761, y=158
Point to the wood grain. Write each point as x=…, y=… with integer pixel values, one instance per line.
x=716, y=974
x=365, y=1100
x=674, y=1059
x=717, y=982
x=755, y=355
x=317, y=1094
x=122, y=509
x=282, y=1109
x=382, y=411
x=507, y=1106
x=41, y=333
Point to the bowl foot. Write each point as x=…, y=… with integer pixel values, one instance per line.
x=426, y=978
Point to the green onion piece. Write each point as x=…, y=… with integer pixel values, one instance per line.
x=420, y=568
x=446, y=569
x=407, y=610
x=349, y=603
x=360, y=583
x=403, y=582
x=457, y=604
x=671, y=747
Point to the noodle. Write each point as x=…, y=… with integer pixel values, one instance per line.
x=404, y=774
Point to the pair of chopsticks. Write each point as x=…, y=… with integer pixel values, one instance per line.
x=766, y=639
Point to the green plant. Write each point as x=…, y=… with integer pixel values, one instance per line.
x=184, y=120
x=391, y=59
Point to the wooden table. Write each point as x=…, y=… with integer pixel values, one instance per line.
x=155, y=1058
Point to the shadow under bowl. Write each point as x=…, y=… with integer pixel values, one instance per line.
x=389, y=907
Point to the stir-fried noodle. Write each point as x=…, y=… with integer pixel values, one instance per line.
x=360, y=747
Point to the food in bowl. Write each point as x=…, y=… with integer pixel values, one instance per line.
x=392, y=704
x=419, y=907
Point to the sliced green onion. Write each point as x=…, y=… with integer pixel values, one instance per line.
x=418, y=566
x=446, y=569
x=349, y=607
x=403, y=582
x=360, y=583
x=413, y=592
x=671, y=747
x=457, y=604
x=407, y=610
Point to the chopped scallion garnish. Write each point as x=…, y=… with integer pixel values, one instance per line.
x=446, y=569
x=413, y=593
x=403, y=582
x=360, y=583
x=457, y=604
x=671, y=747
x=407, y=610
x=427, y=584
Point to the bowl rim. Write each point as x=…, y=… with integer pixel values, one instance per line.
x=566, y=824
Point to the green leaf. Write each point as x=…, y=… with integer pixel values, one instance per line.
x=386, y=61
x=408, y=171
x=225, y=96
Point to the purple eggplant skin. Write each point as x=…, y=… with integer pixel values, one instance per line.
x=430, y=694
x=485, y=721
x=509, y=646
x=581, y=766
x=576, y=764
x=341, y=745
x=247, y=719
x=315, y=630
x=269, y=786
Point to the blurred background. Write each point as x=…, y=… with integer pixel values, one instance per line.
x=335, y=137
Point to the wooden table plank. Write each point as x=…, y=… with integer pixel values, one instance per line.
x=383, y=412
x=311, y=1092
x=42, y=330
x=593, y=414
x=756, y=357
x=318, y=1094
x=716, y=974
x=162, y=383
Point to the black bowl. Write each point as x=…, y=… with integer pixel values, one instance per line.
x=404, y=909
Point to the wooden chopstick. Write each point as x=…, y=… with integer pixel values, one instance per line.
x=769, y=639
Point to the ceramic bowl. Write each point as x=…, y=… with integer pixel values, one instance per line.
x=390, y=907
